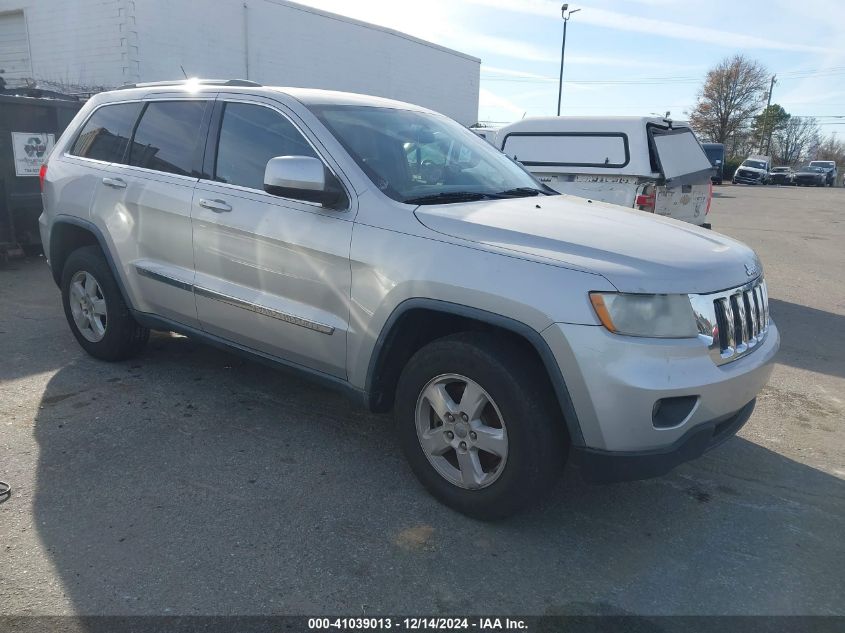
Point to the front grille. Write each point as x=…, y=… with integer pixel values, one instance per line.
x=747, y=174
x=733, y=322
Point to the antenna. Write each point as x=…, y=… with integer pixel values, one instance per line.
x=183, y=71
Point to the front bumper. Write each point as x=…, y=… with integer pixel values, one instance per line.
x=615, y=381
x=748, y=180
x=599, y=466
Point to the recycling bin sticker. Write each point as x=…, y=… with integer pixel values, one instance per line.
x=30, y=150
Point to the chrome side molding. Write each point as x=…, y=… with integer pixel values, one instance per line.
x=234, y=301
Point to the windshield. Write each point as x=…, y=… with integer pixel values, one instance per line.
x=812, y=167
x=756, y=164
x=780, y=170
x=822, y=163
x=420, y=157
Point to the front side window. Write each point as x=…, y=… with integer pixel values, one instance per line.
x=250, y=135
x=419, y=157
x=167, y=135
x=106, y=134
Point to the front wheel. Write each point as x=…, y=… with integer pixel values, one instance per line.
x=95, y=310
x=479, y=425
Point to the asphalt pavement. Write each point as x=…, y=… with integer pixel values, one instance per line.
x=190, y=481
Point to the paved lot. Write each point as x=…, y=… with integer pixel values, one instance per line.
x=191, y=482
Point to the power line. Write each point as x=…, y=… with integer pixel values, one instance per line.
x=833, y=71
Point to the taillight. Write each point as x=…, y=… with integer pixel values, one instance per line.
x=709, y=198
x=645, y=201
x=42, y=174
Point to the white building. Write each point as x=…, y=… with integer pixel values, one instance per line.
x=107, y=43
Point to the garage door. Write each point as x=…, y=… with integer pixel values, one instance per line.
x=14, y=48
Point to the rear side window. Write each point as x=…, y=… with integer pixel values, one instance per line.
x=250, y=135
x=167, y=135
x=106, y=134
x=569, y=149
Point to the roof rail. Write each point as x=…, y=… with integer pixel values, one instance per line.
x=182, y=82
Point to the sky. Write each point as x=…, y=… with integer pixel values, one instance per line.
x=637, y=57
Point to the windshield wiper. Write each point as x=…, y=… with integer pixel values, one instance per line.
x=446, y=197
x=519, y=192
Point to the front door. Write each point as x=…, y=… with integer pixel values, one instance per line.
x=272, y=274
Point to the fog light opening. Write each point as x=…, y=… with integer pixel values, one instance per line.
x=669, y=413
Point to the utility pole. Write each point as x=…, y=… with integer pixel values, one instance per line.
x=766, y=118
x=563, y=52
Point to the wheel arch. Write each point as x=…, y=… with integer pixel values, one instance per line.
x=416, y=322
x=69, y=233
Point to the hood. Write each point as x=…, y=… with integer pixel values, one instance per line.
x=634, y=250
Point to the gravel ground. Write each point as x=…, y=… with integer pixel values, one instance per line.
x=189, y=481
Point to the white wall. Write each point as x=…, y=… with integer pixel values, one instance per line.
x=78, y=42
x=293, y=45
x=112, y=42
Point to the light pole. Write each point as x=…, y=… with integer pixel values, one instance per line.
x=565, y=16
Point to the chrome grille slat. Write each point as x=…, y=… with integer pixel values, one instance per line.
x=751, y=309
x=733, y=322
x=758, y=300
x=740, y=323
x=728, y=335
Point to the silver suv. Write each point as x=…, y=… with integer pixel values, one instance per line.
x=390, y=252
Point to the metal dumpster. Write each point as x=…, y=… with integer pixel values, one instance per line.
x=30, y=123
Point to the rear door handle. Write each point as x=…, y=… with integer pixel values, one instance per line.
x=116, y=183
x=218, y=206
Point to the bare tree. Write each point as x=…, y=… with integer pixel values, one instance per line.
x=732, y=94
x=793, y=140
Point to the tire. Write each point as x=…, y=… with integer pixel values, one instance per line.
x=520, y=399
x=101, y=322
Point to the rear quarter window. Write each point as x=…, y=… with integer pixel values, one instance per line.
x=106, y=133
x=571, y=149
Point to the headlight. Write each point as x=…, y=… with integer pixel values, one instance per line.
x=660, y=316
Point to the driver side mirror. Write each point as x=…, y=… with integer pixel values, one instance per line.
x=303, y=178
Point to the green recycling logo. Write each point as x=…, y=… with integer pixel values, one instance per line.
x=35, y=147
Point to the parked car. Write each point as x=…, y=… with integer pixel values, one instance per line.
x=782, y=175
x=487, y=133
x=830, y=170
x=754, y=170
x=716, y=154
x=649, y=164
x=811, y=176
x=506, y=326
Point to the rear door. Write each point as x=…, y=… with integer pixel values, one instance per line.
x=678, y=155
x=145, y=203
x=273, y=274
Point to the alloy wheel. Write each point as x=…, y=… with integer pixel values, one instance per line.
x=461, y=431
x=88, y=306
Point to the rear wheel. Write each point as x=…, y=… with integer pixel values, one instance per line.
x=95, y=310
x=478, y=424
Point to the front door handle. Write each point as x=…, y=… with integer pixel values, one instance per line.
x=218, y=206
x=116, y=183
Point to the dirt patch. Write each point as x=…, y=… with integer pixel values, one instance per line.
x=415, y=538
